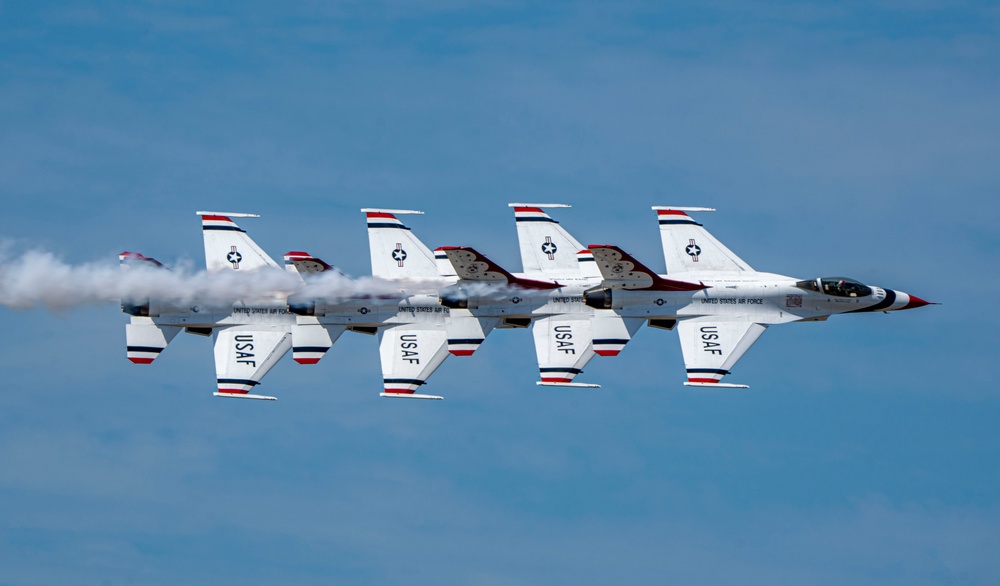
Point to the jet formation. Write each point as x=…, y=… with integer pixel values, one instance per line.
x=578, y=302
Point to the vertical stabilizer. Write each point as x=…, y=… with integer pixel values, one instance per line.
x=395, y=252
x=227, y=246
x=547, y=249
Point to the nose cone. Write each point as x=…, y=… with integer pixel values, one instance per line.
x=907, y=301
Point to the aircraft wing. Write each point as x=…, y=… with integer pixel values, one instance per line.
x=687, y=246
x=243, y=355
x=712, y=346
x=410, y=353
x=621, y=271
x=471, y=265
x=564, y=344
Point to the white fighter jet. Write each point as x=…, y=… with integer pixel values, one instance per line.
x=547, y=296
x=415, y=332
x=717, y=302
x=249, y=337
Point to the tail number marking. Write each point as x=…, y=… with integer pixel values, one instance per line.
x=408, y=344
x=708, y=336
x=244, y=350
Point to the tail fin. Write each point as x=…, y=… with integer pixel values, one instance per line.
x=621, y=271
x=227, y=246
x=687, y=246
x=395, y=252
x=546, y=248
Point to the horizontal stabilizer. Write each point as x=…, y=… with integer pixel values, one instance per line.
x=310, y=342
x=470, y=265
x=621, y=271
x=467, y=332
x=144, y=340
x=612, y=332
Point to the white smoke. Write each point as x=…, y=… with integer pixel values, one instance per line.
x=39, y=279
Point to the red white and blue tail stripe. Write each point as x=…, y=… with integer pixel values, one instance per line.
x=531, y=214
x=464, y=346
x=216, y=222
x=384, y=220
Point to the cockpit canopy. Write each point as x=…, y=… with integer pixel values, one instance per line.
x=836, y=286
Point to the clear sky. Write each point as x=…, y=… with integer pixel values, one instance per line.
x=854, y=138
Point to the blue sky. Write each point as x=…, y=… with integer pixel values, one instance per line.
x=853, y=138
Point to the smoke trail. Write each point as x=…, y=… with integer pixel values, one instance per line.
x=39, y=279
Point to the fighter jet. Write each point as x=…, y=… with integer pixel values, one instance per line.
x=719, y=304
x=547, y=296
x=415, y=332
x=249, y=336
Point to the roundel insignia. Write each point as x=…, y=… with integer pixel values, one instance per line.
x=234, y=257
x=515, y=299
x=549, y=248
x=692, y=250
x=398, y=254
x=659, y=301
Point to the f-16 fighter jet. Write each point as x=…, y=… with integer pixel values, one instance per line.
x=722, y=305
x=415, y=332
x=548, y=296
x=249, y=336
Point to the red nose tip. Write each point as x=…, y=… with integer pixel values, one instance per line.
x=916, y=302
